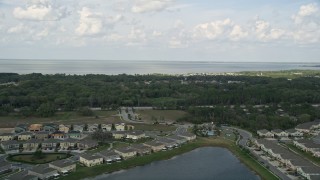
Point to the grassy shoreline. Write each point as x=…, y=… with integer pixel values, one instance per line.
x=85, y=172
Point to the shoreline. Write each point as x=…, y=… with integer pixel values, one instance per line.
x=244, y=158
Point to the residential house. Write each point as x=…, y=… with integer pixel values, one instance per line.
x=50, y=127
x=169, y=143
x=41, y=135
x=58, y=135
x=308, y=126
x=90, y=160
x=309, y=171
x=109, y=156
x=5, y=167
x=126, y=152
x=43, y=171
x=134, y=135
x=130, y=127
x=178, y=139
x=6, y=136
x=22, y=175
x=188, y=136
x=294, y=133
x=155, y=146
x=265, y=133
x=141, y=149
x=75, y=134
x=119, y=134
x=10, y=145
x=120, y=127
x=279, y=133
x=6, y=130
x=35, y=127
x=93, y=127
x=87, y=144
x=21, y=128
x=31, y=144
x=106, y=127
x=68, y=143
x=78, y=128
x=50, y=143
x=63, y=166
x=308, y=146
x=63, y=128
x=25, y=136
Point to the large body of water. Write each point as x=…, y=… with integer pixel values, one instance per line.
x=140, y=67
x=201, y=164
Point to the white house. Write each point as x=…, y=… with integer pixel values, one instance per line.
x=265, y=133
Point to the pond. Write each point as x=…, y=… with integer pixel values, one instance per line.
x=202, y=164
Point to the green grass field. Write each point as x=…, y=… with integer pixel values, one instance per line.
x=154, y=127
x=84, y=172
x=29, y=158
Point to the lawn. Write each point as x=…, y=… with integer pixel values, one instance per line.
x=31, y=159
x=154, y=127
x=166, y=115
x=84, y=172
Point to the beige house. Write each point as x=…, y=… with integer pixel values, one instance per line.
x=63, y=166
x=68, y=143
x=155, y=146
x=119, y=134
x=43, y=171
x=188, y=136
x=25, y=136
x=6, y=137
x=31, y=144
x=35, y=127
x=120, y=127
x=63, y=128
x=126, y=152
x=308, y=146
x=265, y=133
x=90, y=160
x=294, y=133
x=106, y=127
x=135, y=135
x=279, y=133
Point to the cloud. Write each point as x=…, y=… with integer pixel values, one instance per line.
x=20, y=28
x=307, y=10
x=237, y=33
x=144, y=6
x=40, y=10
x=90, y=23
x=212, y=30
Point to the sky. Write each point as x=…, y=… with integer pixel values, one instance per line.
x=168, y=30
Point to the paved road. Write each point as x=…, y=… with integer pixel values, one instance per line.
x=124, y=115
x=246, y=136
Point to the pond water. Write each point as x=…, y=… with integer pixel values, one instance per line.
x=201, y=164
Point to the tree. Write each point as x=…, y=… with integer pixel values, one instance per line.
x=85, y=128
x=113, y=127
x=85, y=111
x=46, y=110
x=38, y=154
x=126, y=127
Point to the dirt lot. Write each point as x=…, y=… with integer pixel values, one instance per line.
x=160, y=115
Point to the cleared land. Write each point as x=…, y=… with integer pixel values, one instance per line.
x=161, y=115
x=154, y=127
x=62, y=117
x=31, y=159
x=83, y=172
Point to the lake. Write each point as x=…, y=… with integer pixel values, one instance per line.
x=141, y=67
x=201, y=164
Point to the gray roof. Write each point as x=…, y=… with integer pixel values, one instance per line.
x=33, y=141
x=42, y=169
x=71, y=140
x=311, y=169
x=308, y=143
x=42, y=133
x=6, y=134
x=277, y=131
x=26, y=133
x=307, y=125
x=108, y=153
x=126, y=149
x=22, y=175
x=90, y=156
x=140, y=147
x=186, y=134
x=165, y=140
x=263, y=131
x=4, y=163
x=291, y=131
x=154, y=143
x=6, y=143
x=62, y=163
x=52, y=141
x=175, y=137
x=137, y=133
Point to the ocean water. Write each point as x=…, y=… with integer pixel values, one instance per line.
x=140, y=67
x=201, y=164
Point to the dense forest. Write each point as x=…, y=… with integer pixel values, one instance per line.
x=220, y=98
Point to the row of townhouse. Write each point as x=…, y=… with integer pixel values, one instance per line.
x=45, y=171
x=134, y=135
x=42, y=135
x=308, y=127
x=135, y=149
x=279, y=133
x=308, y=146
x=50, y=127
x=51, y=144
x=289, y=159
